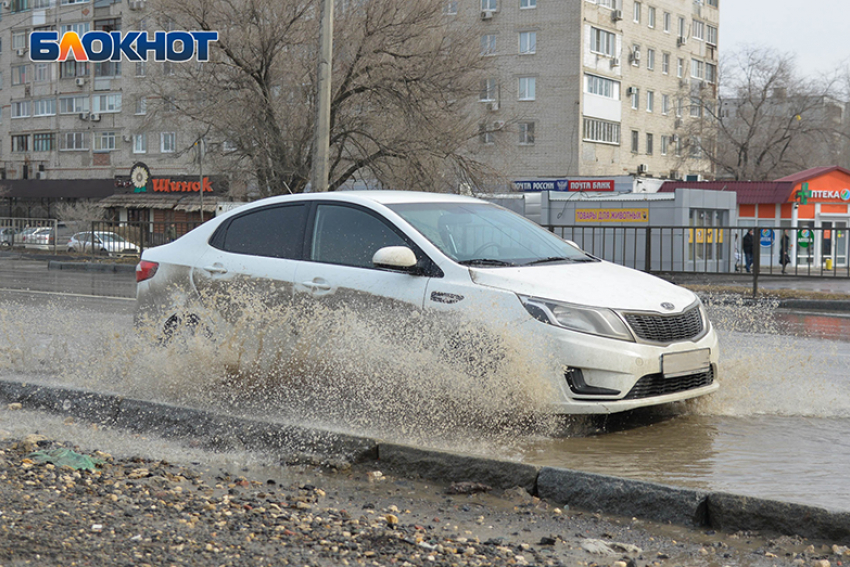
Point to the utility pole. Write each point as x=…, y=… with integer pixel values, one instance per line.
x=321, y=141
x=201, y=152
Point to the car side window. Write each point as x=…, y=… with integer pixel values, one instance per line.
x=274, y=232
x=350, y=236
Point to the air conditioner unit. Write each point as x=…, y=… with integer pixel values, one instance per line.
x=643, y=168
x=136, y=4
x=81, y=81
x=84, y=116
x=630, y=91
x=486, y=15
x=498, y=124
x=41, y=175
x=615, y=62
x=95, y=117
x=677, y=123
x=492, y=106
x=680, y=41
x=127, y=138
x=636, y=55
x=21, y=52
x=617, y=15
x=5, y=4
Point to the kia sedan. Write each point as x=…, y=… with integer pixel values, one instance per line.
x=607, y=338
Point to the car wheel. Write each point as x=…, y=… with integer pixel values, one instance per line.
x=5, y=245
x=183, y=326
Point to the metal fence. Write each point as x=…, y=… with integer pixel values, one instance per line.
x=809, y=251
x=55, y=236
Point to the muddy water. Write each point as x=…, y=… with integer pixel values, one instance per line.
x=779, y=427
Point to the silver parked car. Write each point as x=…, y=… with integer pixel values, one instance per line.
x=102, y=242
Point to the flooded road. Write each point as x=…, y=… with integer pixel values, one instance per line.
x=778, y=428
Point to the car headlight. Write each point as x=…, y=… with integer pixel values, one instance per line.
x=581, y=318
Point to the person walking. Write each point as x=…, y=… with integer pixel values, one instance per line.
x=784, y=250
x=747, y=245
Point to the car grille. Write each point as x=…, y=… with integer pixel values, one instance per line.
x=666, y=328
x=657, y=385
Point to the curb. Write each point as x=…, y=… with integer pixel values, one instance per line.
x=587, y=491
x=90, y=266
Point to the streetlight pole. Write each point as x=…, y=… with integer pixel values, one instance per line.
x=321, y=141
x=201, y=149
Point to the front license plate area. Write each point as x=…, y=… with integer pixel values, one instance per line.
x=683, y=363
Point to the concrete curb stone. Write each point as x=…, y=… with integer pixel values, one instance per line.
x=439, y=465
x=582, y=490
x=90, y=266
x=626, y=497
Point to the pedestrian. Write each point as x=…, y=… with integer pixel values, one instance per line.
x=784, y=250
x=170, y=233
x=748, y=249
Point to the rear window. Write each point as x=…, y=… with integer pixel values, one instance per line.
x=274, y=232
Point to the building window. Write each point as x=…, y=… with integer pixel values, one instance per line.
x=79, y=27
x=650, y=17
x=42, y=73
x=712, y=3
x=488, y=44
x=650, y=101
x=601, y=131
x=43, y=142
x=21, y=109
x=74, y=141
x=489, y=5
x=527, y=88
x=19, y=41
x=20, y=74
x=667, y=18
x=681, y=27
x=65, y=2
x=526, y=4
x=695, y=148
x=602, y=41
x=68, y=69
x=635, y=94
x=488, y=90
x=602, y=86
x=680, y=67
x=665, y=142
x=168, y=142
x=450, y=8
x=44, y=107
x=637, y=12
x=102, y=104
x=485, y=134
x=140, y=143
x=73, y=104
x=679, y=106
x=665, y=104
x=649, y=144
x=107, y=69
x=108, y=25
x=526, y=133
x=104, y=141
x=141, y=105
x=20, y=143
x=141, y=68
x=635, y=141
x=697, y=69
x=527, y=42
x=712, y=35
x=711, y=73
x=650, y=59
x=665, y=63
x=698, y=30
x=696, y=107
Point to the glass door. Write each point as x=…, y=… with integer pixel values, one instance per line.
x=840, y=242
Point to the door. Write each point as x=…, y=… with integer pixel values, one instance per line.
x=338, y=287
x=841, y=244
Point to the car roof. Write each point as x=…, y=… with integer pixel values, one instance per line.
x=383, y=197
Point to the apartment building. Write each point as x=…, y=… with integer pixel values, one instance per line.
x=87, y=122
x=595, y=87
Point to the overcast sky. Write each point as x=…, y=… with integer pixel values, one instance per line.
x=815, y=32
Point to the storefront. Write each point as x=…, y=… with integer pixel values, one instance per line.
x=811, y=208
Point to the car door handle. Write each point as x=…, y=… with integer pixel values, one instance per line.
x=216, y=269
x=316, y=285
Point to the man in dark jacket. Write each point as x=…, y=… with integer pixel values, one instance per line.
x=748, y=249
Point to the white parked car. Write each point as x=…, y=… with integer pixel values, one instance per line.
x=104, y=242
x=612, y=338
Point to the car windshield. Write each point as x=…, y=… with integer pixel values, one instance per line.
x=110, y=237
x=486, y=235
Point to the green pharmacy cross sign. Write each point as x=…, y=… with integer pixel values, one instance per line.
x=804, y=194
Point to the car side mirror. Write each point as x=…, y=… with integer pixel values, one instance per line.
x=398, y=257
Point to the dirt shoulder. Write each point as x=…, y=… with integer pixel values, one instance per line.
x=150, y=501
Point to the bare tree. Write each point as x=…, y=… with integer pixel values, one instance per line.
x=767, y=122
x=80, y=210
x=404, y=78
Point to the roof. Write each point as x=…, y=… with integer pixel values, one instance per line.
x=176, y=201
x=749, y=192
x=56, y=188
x=813, y=172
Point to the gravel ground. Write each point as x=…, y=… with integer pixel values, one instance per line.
x=209, y=509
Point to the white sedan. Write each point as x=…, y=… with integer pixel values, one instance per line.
x=602, y=337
